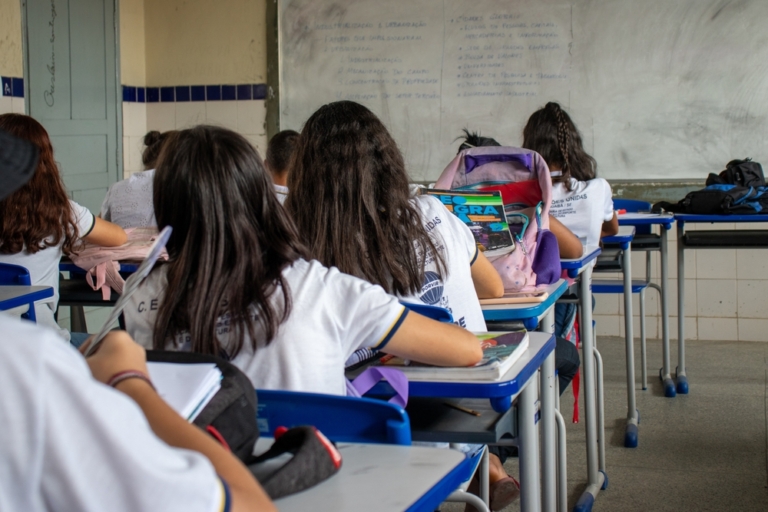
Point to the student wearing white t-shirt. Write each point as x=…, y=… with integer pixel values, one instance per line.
x=128, y=203
x=238, y=283
x=72, y=443
x=352, y=203
x=580, y=200
x=279, y=153
x=77, y=444
x=40, y=223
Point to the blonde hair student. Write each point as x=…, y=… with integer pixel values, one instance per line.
x=40, y=223
x=239, y=284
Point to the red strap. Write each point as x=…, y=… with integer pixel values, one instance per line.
x=576, y=383
x=217, y=436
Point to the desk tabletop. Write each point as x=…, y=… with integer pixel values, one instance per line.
x=625, y=234
x=575, y=266
x=523, y=311
x=690, y=217
x=12, y=296
x=540, y=345
x=646, y=219
x=380, y=478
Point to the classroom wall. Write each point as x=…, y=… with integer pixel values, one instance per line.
x=11, y=64
x=170, y=49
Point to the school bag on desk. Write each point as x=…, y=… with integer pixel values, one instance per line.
x=522, y=177
x=230, y=418
x=739, y=189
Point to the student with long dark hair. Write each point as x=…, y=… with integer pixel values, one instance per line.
x=238, y=283
x=580, y=199
x=40, y=223
x=350, y=198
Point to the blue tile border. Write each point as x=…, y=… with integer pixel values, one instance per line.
x=183, y=93
x=12, y=86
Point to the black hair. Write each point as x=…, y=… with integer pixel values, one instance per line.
x=280, y=150
x=551, y=133
x=231, y=240
x=351, y=201
x=474, y=140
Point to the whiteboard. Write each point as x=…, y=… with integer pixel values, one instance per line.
x=660, y=89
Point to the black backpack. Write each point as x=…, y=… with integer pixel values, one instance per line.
x=742, y=173
x=230, y=418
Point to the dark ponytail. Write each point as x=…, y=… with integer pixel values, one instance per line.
x=551, y=133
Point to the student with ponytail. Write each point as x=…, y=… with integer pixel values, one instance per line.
x=580, y=200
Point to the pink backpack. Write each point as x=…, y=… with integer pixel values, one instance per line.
x=536, y=260
x=102, y=262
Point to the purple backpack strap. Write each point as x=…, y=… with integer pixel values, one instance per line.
x=371, y=376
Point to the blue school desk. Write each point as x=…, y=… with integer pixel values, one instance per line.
x=129, y=267
x=519, y=384
x=532, y=315
x=624, y=240
x=581, y=269
x=664, y=221
x=700, y=239
x=528, y=313
x=17, y=300
x=380, y=478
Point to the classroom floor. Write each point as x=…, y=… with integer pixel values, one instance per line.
x=705, y=451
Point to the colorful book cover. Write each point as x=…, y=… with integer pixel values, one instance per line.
x=483, y=213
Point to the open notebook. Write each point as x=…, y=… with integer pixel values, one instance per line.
x=187, y=388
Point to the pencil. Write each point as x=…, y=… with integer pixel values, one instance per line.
x=462, y=409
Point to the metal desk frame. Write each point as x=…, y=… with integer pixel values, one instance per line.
x=681, y=218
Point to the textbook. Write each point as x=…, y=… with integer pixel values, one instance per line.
x=483, y=213
x=501, y=350
x=187, y=388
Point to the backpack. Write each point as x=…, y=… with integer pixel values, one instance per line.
x=230, y=418
x=743, y=173
x=523, y=178
x=719, y=200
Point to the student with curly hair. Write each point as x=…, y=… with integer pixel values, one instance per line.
x=40, y=223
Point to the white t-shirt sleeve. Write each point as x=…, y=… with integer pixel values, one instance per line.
x=367, y=316
x=608, y=201
x=86, y=446
x=457, y=227
x=84, y=219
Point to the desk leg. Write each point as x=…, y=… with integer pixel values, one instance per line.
x=595, y=478
x=630, y=435
x=682, y=380
x=666, y=377
x=530, y=490
x=548, y=424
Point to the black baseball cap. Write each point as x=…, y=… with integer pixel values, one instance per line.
x=18, y=161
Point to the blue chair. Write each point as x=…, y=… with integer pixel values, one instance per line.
x=340, y=418
x=15, y=275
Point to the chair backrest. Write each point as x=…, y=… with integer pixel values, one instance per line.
x=339, y=418
x=634, y=205
x=14, y=275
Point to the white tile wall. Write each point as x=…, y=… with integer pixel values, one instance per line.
x=726, y=295
x=17, y=104
x=6, y=105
